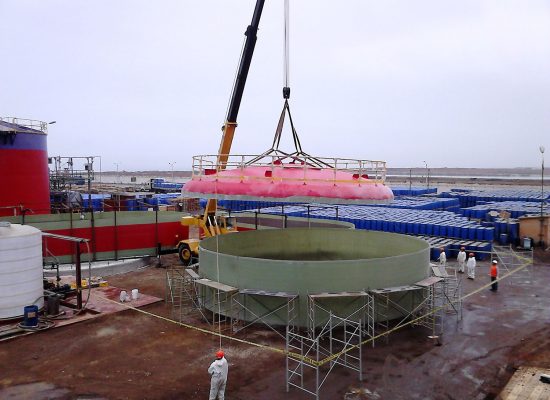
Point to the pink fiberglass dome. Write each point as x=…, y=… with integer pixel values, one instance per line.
x=291, y=183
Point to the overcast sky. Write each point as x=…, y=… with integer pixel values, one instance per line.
x=145, y=83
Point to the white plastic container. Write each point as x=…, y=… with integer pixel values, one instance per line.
x=123, y=296
x=20, y=269
x=135, y=294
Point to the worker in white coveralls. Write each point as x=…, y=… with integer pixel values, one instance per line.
x=442, y=258
x=471, y=266
x=461, y=258
x=218, y=371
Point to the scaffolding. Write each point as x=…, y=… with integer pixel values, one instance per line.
x=510, y=260
x=337, y=340
x=216, y=297
x=182, y=291
x=174, y=288
x=309, y=360
x=68, y=171
x=451, y=290
x=328, y=340
x=430, y=313
x=387, y=306
x=319, y=309
x=280, y=309
x=422, y=303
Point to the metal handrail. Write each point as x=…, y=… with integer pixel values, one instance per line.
x=27, y=123
x=363, y=171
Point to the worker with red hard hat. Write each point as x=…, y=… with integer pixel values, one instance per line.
x=493, y=273
x=218, y=371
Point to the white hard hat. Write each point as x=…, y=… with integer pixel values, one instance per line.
x=495, y=262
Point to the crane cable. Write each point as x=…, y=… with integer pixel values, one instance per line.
x=217, y=232
x=286, y=95
x=286, y=88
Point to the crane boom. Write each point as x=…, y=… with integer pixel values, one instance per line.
x=240, y=81
x=236, y=96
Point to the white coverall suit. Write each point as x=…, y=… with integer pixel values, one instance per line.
x=471, y=265
x=461, y=258
x=218, y=370
x=443, y=259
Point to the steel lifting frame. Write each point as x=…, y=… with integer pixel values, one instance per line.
x=307, y=354
x=240, y=307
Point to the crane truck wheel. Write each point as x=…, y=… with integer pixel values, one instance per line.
x=185, y=254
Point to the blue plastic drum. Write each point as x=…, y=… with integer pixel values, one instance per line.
x=503, y=239
x=30, y=316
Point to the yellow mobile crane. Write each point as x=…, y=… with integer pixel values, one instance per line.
x=209, y=223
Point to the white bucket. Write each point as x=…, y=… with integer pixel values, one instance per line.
x=123, y=296
x=135, y=294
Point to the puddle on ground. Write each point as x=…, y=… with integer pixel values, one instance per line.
x=35, y=391
x=42, y=391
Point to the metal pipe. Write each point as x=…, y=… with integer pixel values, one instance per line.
x=116, y=232
x=541, y=241
x=78, y=277
x=157, y=224
x=427, y=174
x=63, y=237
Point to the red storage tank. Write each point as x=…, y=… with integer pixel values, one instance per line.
x=24, y=178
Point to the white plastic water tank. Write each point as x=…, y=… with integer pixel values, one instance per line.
x=20, y=269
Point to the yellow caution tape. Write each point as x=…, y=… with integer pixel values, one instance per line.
x=219, y=334
x=334, y=356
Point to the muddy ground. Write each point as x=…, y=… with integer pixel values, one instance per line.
x=132, y=355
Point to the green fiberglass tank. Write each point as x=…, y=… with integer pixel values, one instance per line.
x=306, y=261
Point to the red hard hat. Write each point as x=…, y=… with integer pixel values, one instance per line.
x=220, y=354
